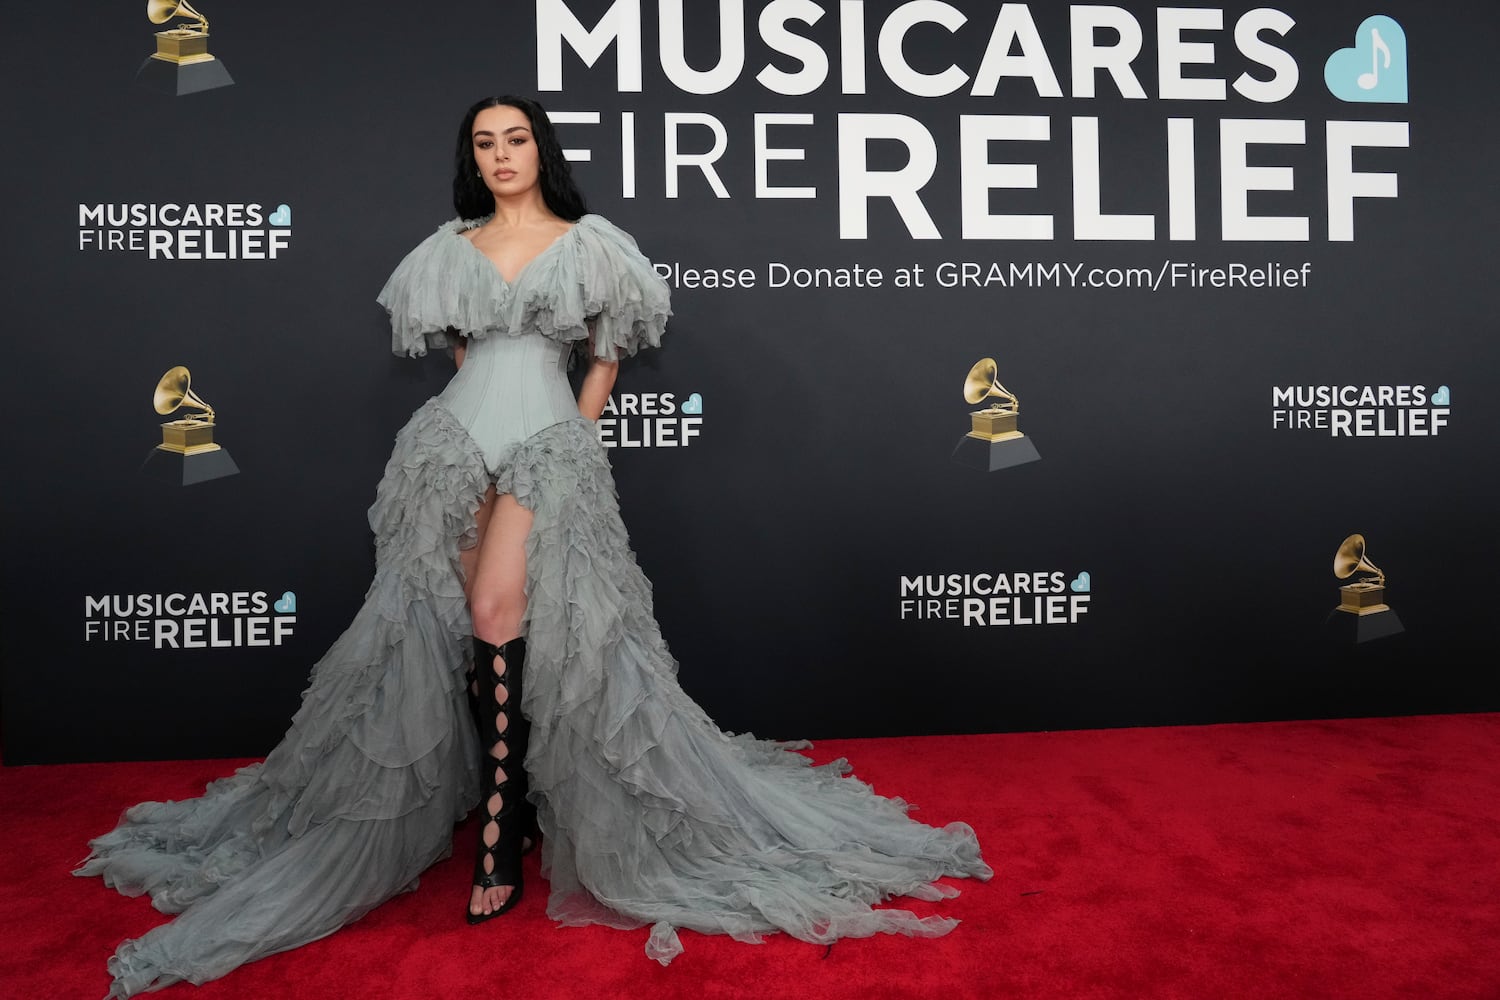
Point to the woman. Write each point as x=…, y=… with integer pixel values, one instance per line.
x=497, y=513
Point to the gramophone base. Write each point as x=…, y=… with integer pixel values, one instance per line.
x=992, y=456
x=182, y=78
x=1347, y=627
x=178, y=469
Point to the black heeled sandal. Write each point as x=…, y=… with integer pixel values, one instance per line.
x=531, y=829
x=498, y=865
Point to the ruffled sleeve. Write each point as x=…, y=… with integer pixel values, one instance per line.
x=598, y=278
x=627, y=300
x=441, y=285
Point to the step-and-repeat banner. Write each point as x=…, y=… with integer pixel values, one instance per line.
x=1034, y=365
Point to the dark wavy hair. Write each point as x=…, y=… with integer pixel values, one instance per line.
x=472, y=199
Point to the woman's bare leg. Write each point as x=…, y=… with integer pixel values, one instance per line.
x=497, y=593
x=497, y=602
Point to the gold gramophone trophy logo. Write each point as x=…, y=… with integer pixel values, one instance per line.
x=181, y=63
x=188, y=453
x=993, y=441
x=1362, y=613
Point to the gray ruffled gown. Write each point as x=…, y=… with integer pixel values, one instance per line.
x=650, y=813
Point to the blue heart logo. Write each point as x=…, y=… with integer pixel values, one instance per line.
x=1440, y=398
x=1082, y=584
x=287, y=604
x=693, y=404
x=1374, y=71
x=282, y=217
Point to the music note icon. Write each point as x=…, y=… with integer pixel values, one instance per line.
x=1368, y=81
x=1373, y=69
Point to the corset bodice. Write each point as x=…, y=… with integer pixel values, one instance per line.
x=508, y=389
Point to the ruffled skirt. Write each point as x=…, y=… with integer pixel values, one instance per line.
x=650, y=813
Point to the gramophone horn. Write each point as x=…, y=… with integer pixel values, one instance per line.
x=981, y=383
x=1350, y=559
x=162, y=11
x=174, y=391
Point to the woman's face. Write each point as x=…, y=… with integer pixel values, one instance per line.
x=505, y=151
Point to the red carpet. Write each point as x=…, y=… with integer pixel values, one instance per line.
x=1356, y=859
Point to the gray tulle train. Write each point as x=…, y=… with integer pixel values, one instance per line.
x=650, y=813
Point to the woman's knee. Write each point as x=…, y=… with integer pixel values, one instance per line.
x=497, y=614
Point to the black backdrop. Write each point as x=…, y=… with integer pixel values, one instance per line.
x=816, y=490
